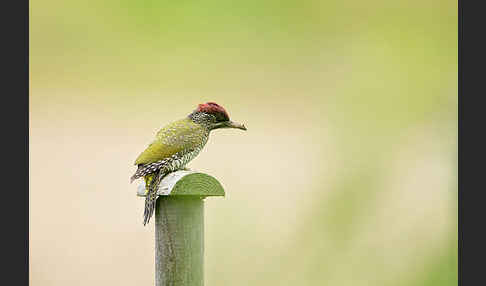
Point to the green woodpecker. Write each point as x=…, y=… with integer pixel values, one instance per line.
x=175, y=145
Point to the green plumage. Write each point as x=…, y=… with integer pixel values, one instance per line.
x=179, y=136
x=174, y=146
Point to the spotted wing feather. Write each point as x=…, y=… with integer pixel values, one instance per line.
x=175, y=145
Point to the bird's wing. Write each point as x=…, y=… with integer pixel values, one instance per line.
x=176, y=137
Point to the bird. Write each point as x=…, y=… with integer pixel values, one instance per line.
x=175, y=145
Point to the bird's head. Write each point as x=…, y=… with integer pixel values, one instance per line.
x=215, y=116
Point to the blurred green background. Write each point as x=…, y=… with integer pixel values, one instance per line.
x=347, y=174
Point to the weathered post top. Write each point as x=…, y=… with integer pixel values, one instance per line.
x=186, y=183
x=179, y=227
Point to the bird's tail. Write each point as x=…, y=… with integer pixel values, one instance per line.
x=152, y=187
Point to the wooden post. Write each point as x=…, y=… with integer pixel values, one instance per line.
x=179, y=227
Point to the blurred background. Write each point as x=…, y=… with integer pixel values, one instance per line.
x=347, y=174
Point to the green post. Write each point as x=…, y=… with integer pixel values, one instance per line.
x=179, y=227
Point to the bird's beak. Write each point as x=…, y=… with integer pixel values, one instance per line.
x=232, y=124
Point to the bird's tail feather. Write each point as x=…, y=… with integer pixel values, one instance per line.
x=149, y=207
x=151, y=198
